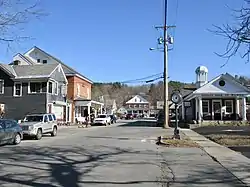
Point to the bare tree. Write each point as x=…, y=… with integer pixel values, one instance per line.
x=238, y=34
x=14, y=15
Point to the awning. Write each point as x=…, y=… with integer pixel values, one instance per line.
x=87, y=103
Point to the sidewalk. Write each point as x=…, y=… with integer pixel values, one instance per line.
x=237, y=164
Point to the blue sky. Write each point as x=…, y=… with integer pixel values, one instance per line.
x=109, y=40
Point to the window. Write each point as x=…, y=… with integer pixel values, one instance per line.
x=17, y=89
x=222, y=83
x=56, y=88
x=44, y=87
x=45, y=118
x=50, y=118
x=1, y=86
x=50, y=87
x=205, y=106
x=37, y=87
x=38, y=60
x=54, y=117
x=88, y=93
x=44, y=61
x=8, y=124
x=78, y=90
x=229, y=106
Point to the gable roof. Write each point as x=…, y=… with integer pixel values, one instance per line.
x=67, y=70
x=8, y=69
x=142, y=100
x=29, y=71
x=227, y=77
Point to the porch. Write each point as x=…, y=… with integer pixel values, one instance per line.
x=84, y=108
x=218, y=107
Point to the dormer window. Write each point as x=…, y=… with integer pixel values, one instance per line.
x=44, y=61
x=16, y=62
x=38, y=60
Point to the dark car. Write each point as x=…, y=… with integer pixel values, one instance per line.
x=113, y=119
x=129, y=116
x=10, y=132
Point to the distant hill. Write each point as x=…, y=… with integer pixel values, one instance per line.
x=123, y=92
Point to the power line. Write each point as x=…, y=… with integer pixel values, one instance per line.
x=140, y=79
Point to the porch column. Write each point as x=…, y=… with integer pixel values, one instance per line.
x=200, y=109
x=66, y=110
x=196, y=109
x=101, y=109
x=237, y=106
x=183, y=111
x=244, y=109
x=89, y=105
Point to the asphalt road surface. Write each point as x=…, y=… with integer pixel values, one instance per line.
x=118, y=155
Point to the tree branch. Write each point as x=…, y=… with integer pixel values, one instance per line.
x=238, y=35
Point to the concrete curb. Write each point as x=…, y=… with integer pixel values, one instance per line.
x=236, y=163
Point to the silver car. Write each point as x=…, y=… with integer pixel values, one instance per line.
x=36, y=125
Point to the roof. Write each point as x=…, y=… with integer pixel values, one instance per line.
x=29, y=71
x=134, y=100
x=8, y=69
x=201, y=69
x=67, y=70
x=232, y=87
x=34, y=70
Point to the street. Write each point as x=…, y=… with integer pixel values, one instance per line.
x=117, y=155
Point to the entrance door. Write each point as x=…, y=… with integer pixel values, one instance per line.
x=217, y=115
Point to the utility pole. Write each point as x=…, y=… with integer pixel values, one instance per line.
x=165, y=71
x=165, y=41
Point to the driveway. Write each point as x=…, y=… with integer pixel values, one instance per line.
x=119, y=155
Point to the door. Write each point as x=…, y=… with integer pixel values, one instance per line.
x=47, y=123
x=2, y=133
x=217, y=110
x=58, y=111
x=9, y=131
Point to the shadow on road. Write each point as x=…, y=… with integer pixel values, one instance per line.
x=77, y=166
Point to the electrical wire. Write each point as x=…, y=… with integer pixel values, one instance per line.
x=140, y=79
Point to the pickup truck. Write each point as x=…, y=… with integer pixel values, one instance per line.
x=35, y=125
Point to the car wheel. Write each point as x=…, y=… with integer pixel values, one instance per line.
x=17, y=139
x=54, y=132
x=39, y=134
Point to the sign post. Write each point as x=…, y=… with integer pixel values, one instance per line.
x=176, y=99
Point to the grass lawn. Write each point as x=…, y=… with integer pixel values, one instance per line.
x=183, y=142
x=230, y=139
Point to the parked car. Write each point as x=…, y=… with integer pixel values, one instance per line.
x=35, y=125
x=10, y=132
x=103, y=119
x=113, y=119
x=129, y=116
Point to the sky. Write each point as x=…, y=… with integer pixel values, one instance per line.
x=109, y=41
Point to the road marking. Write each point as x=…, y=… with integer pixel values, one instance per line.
x=231, y=130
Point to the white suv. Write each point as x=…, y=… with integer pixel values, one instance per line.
x=36, y=125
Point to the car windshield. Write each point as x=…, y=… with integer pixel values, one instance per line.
x=34, y=118
x=102, y=116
